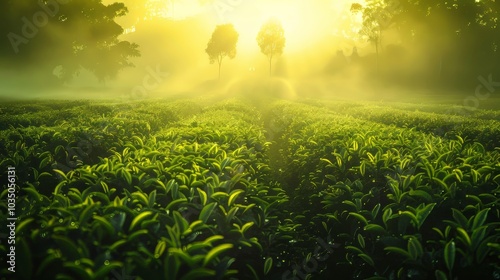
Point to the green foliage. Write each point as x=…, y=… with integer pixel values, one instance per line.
x=222, y=44
x=201, y=196
x=271, y=40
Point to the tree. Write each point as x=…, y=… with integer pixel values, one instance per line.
x=377, y=17
x=222, y=44
x=458, y=38
x=68, y=35
x=271, y=40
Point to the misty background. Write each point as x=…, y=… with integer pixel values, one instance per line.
x=380, y=49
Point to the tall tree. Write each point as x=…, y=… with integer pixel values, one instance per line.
x=377, y=17
x=460, y=38
x=222, y=44
x=70, y=35
x=271, y=40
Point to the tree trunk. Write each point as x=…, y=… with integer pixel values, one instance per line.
x=378, y=45
x=440, y=69
x=220, y=64
x=270, y=66
x=376, y=50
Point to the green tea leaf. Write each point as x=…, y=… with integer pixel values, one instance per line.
x=459, y=218
x=68, y=248
x=440, y=275
x=423, y=212
x=361, y=241
x=105, y=224
x=117, y=244
x=355, y=249
x=412, y=216
x=213, y=238
x=463, y=235
x=87, y=213
x=232, y=197
x=440, y=183
x=477, y=236
x=79, y=270
x=152, y=199
x=24, y=223
x=246, y=226
x=375, y=228
x=268, y=264
x=483, y=249
x=449, y=255
x=415, y=248
x=61, y=173
x=480, y=218
x=254, y=273
x=160, y=248
x=140, y=217
x=367, y=259
x=207, y=211
x=137, y=234
x=203, y=196
x=59, y=186
x=183, y=256
x=375, y=211
x=421, y=194
x=212, y=254
x=218, y=195
x=386, y=216
x=180, y=222
x=359, y=217
x=199, y=273
x=106, y=269
x=231, y=213
x=399, y=251
x=141, y=197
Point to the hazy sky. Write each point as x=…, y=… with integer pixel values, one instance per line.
x=311, y=30
x=305, y=22
x=417, y=49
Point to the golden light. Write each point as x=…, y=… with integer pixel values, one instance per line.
x=304, y=22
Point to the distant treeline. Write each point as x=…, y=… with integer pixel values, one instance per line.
x=431, y=43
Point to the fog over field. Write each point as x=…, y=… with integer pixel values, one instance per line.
x=376, y=50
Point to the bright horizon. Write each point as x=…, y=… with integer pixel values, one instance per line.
x=305, y=23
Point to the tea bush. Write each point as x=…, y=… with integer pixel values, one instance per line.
x=204, y=189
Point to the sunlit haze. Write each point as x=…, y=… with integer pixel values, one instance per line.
x=250, y=139
x=410, y=50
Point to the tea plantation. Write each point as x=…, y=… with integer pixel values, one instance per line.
x=207, y=189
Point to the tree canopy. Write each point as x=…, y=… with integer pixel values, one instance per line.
x=271, y=40
x=69, y=35
x=222, y=44
x=453, y=39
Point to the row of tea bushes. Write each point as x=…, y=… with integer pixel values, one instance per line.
x=204, y=190
x=479, y=125
x=191, y=202
x=404, y=204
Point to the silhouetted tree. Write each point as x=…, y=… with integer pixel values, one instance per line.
x=271, y=40
x=70, y=35
x=459, y=39
x=222, y=44
x=354, y=56
x=377, y=17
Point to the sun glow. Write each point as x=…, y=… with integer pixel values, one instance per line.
x=304, y=22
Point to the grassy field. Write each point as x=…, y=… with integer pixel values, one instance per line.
x=203, y=188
